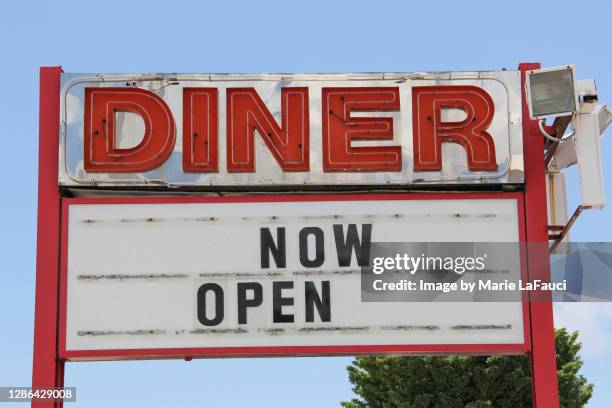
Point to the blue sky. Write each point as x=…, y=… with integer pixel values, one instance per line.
x=264, y=36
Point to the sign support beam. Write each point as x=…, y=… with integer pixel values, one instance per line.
x=545, y=390
x=48, y=369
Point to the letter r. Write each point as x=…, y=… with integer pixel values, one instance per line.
x=429, y=131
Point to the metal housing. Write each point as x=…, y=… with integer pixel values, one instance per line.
x=506, y=130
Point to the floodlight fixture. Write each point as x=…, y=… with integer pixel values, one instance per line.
x=551, y=92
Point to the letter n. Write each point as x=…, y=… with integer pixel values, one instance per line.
x=288, y=143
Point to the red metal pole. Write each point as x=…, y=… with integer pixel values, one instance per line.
x=543, y=355
x=47, y=370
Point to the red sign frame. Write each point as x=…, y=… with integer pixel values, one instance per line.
x=188, y=353
x=49, y=357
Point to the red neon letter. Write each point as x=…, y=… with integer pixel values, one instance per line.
x=340, y=129
x=101, y=154
x=429, y=131
x=289, y=143
x=200, y=129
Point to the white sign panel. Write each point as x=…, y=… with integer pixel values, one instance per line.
x=246, y=273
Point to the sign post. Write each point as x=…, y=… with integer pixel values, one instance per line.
x=48, y=368
x=543, y=354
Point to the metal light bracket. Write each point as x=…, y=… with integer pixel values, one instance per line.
x=558, y=232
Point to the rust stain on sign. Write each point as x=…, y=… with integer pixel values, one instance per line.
x=482, y=327
x=118, y=276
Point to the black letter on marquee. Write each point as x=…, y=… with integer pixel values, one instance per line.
x=278, y=301
x=344, y=248
x=319, y=247
x=218, y=291
x=313, y=298
x=268, y=246
x=243, y=303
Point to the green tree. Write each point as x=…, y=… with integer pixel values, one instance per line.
x=463, y=381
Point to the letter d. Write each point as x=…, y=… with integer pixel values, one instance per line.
x=101, y=152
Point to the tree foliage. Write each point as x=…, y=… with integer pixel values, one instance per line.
x=463, y=381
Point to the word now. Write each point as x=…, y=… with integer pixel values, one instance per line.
x=289, y=141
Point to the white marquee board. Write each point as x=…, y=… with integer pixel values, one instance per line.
x=133, y=270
